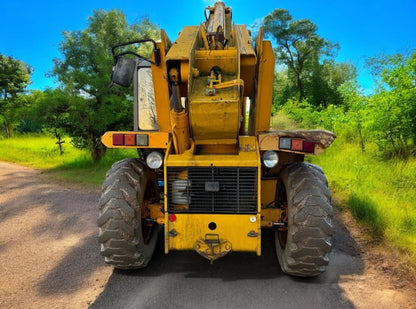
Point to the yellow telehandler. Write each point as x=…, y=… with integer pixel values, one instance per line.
x=209, y=169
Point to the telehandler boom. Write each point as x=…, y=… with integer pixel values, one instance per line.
x=209, y=170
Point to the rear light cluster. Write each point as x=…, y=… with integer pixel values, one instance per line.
x=296, y=145
x=130, y=140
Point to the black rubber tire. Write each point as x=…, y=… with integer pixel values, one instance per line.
x=308, y=238
x=121, y=230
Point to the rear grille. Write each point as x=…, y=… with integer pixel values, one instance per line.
x=212, y=189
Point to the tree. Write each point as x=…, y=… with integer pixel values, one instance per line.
x=51, y=109
x=393, y=107
x=355, y=109
x=14, y=78
x=325, y=80
x=30, y=116
x=299, y=47
x=85, y=73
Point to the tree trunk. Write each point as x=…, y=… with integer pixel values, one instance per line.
x=97, y=149
x=300, y=87
x=360, y=132
x=7, y=129
x=390, y=134
x=59, y=142
x=97, y=153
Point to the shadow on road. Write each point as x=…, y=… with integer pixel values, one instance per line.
x=47, y=233
x=54, y=229
x=185, y=280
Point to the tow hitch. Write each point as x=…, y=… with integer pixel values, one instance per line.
x=212, y=247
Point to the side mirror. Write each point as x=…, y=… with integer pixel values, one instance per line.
x=123, y=72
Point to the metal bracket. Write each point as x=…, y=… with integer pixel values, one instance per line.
x=172, y=233
x=212, y=247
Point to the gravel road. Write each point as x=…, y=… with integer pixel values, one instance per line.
x=50, y=259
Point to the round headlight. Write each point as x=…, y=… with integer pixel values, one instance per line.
x=154, y=160
x=270, y=158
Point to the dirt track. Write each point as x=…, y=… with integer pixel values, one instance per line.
x=50, y=259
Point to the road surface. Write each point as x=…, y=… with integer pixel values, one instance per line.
x=50, y=259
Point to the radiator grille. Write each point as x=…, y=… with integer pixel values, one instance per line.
x=212, y=189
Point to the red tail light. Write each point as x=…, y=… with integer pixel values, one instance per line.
x=309, y=147
x=130, y=139
x=296, y=145
x=118, y=139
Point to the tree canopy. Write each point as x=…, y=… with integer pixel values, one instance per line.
x=309, y=71
x=85, y=70
x=394, y=105
x=14, y=78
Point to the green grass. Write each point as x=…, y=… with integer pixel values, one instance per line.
x=282, y=122
x=380, y=194
x=41, y=152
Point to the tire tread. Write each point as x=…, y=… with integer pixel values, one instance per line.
x=308, y=245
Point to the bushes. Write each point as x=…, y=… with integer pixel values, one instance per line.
x=387, y=118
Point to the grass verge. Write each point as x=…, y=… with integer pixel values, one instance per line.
x=380, y=194
x=76, y=166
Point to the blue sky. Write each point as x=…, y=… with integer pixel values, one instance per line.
x=31, y=30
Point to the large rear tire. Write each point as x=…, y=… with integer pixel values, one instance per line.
x=127, y=241
x=303, y=248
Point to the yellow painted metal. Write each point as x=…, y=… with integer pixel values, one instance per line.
x=169, y=150
x=242, y=231
x=181, y=56
x=247, y=57
x=184, y=71
x=180, y=128
x=268, y=191
x=166, y=230
x=217, y=116
x=223, y=85
x=189, y=230
x=264, y=88
x=217, y=142
x=212, y=247
x=184, y=44
x=248, y=155
x=226, y=59
x=270, y=216
x=153, y=211
x=269, y=213
x=244, y=42
x=161, y=87
x=156, y=139
x=203, y=36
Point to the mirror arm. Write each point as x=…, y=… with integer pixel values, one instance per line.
x=156, y=51
x=156, y=62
